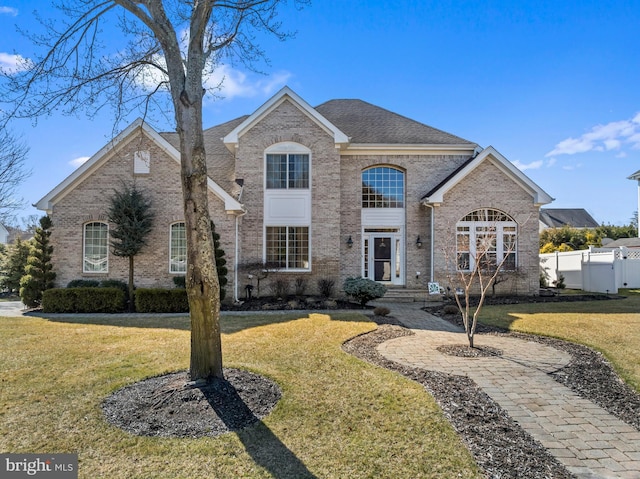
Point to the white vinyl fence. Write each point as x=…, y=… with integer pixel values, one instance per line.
x=601, y=270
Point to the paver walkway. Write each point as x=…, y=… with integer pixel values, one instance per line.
x=588, y=440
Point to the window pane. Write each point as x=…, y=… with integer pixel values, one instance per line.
x=178, y=249
x=298, y=171
x=298, y=248
x=382, y=187
x=277, y=245
x=95, y=248
x=276, y=171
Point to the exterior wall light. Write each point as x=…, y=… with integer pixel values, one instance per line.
x=418, y=242
x=349, y=242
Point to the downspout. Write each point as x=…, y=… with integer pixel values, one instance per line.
x=237, y=245
x=431, y=272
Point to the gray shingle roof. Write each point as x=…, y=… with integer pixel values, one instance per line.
x=367, y=123
x=576, y=217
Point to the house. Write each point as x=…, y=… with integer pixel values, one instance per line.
x=4, y=234
x=342, y=189
x=559, y=217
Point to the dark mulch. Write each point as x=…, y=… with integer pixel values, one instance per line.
x=499, y=446
x=293, y=303
x=464, y=351
x=167, y=406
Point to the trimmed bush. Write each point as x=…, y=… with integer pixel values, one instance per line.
x=325, y=287
x=363, y=290
x=83, y=300
x=83, y=283
x=157, y=300
x=381, y=311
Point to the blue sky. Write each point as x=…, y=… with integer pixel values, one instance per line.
x=554, y=86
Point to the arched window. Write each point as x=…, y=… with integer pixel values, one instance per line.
x=486, y=239
x=382, y=187
x=178, y=248
x=95, y=245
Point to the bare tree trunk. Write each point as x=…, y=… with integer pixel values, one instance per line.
x=203, y=288
x=131, y=286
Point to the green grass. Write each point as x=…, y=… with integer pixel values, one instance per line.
x=339, y=417
x=612, y=326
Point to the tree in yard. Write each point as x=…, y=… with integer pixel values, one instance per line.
x=16, y=262
x=172, y=47
x=472, y=270
x=39, y=275
x=130, y=212
x=13, y=154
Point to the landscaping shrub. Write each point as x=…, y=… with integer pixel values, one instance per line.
x=325, y=287
x=381, y=311
x=157, y=300
x=115, y=283
x=83, y=283
x=83, y=300
x=180, y=282
x=450, y=309
x=363, y=290
x=300, y=286
x=280, y=288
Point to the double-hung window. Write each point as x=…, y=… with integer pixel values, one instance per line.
x=486, y=239
x=96, y=249
x=288, y=247
x=178, y=248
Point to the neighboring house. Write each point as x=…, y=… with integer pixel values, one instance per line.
x=343, y=189
x=559, y=217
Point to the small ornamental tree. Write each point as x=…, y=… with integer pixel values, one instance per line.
x=130, y=212
x=15, y=264
x=39, y=275
x=363, y=290
x=220, y=262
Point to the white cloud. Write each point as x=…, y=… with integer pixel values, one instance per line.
x=534, y=165
x=9, y=11
x=551, y=162
x=612, y=136
x=12, y=63
x=78, y=161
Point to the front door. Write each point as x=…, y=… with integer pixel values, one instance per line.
x=382, y=257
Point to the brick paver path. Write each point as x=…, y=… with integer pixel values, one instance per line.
x=589, y=441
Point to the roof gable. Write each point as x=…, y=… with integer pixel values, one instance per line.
x=139, y=126
x=285, y=94
x=436, y=195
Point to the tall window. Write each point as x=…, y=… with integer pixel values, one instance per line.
x=178, y=249
x=95, y=248
x=382, y=187
x=486, y=238
x=288, y=171
x=288, y=246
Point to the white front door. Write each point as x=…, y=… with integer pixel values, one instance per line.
x=383, y=256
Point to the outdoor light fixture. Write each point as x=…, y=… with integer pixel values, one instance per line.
x=349, y=242
x=418, y=242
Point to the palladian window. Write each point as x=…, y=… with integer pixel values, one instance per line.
x=382, y=187
x=95, y=256
x=486, y=239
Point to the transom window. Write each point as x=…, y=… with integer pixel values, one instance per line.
x=95, y=256
x=382, y=187
x=287, y=171
x=178, y=248
x=486, y=239
x=288, y=247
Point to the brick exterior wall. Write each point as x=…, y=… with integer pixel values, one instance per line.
x=89, y=200
x=335, y=216
x=488, y=187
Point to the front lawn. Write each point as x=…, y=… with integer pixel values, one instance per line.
x=609, y=326
x=339, y=417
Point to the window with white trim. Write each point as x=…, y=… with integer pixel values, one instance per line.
x=178, y=248
x=485, y=239
x=288, y=247
x=287, y=171
x=95, y=248
x=382, y=187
